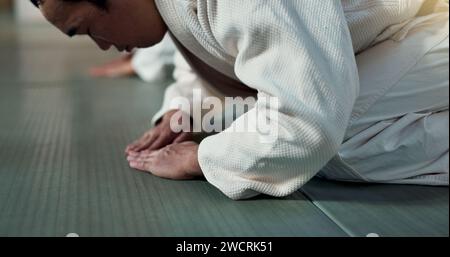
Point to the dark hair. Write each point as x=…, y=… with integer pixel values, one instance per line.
x=98, y=3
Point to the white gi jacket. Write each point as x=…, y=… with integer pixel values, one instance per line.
x=303, y=53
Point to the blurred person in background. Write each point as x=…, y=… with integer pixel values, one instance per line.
x=151, y=64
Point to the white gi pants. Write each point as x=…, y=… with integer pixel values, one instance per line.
x=399, y=131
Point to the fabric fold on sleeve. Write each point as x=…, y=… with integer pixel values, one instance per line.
x=302, y=55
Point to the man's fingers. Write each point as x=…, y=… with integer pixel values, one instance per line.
x=133, y=145
x=142, y=165
x=133, y=154
x=148, y=151
x=161, y=142
x=141, y=157
x=130, y=147
x=144, y=142
x=182, y=138
x=138, y=165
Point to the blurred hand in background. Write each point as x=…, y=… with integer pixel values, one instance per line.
x=120, y=67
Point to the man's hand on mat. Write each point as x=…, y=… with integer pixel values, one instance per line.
x=176, y=161
x=159, y=136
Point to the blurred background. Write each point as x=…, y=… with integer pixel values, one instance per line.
x=52, y=110
x=27, y=40
x=23, y=10
x=32, y=39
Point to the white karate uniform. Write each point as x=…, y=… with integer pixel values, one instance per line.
x=380, y=118
x=398, y=132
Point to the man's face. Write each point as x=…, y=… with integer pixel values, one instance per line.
x=123, y=24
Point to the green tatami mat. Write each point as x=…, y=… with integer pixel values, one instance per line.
x=386, y=210
x=62, y=166
x=63, y=171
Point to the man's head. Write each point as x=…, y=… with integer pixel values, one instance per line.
x=125, y=24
